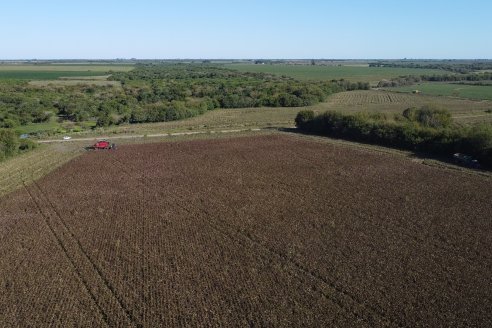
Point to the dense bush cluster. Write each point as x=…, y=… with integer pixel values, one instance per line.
x=426, y=129
x=10, y=144
x=217, y=87
x=22, y=103
x=158, y=92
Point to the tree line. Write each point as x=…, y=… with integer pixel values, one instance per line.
x=461, y=67
x=427, y=129
x=475, y=78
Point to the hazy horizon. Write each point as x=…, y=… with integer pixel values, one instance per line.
x=242, y=59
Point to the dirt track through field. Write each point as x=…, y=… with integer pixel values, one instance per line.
x=155, y=135
x=112, y=309
x=248, y=231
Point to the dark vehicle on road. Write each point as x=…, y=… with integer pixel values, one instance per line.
x=466, y=160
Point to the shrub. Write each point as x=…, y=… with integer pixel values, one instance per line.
x=303, y=116
x=9, y=143
x=429, y=116
x=9, y=123
x=477, y=139
x=26, y=145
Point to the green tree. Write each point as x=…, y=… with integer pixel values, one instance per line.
x=9, y=143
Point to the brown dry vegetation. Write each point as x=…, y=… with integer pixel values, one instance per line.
x=260, y=231
x=463, y=111
x=33, y=165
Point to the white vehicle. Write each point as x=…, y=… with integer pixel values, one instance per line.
x=67, y=138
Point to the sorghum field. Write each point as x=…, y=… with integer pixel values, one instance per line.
x=252, y=231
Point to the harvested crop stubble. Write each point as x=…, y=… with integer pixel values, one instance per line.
x=261, y=231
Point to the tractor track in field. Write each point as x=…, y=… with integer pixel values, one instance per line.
x=61, y=245
x=360, y=309
x=101, y=291
x=345, y=301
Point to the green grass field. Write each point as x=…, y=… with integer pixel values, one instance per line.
x=326, y=73
x=38, y=127
x=53, y=72
x=476, y=92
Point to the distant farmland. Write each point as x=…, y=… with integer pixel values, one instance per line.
x=256, y=231
x=463, y=110
x=53, y=72
x=477, y=92
x=351, y=73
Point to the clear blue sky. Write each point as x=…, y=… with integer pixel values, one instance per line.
x=245, y=29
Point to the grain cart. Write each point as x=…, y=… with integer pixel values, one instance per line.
x=102, y=145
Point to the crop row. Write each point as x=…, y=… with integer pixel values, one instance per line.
x=370, y=97
x=259, y=231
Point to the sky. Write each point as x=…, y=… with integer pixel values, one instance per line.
x=268, y=29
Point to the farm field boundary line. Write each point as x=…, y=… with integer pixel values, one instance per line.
x=470, y=116
x=337, y=295
x=156, y=135
x=374, y=148
x=99, y=288
x=33, y=165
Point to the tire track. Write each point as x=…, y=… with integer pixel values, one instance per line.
x=102, y=292
x=347, y=302
x=55, y=236
x=247, y=241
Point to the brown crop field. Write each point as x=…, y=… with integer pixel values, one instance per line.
x=268, y=230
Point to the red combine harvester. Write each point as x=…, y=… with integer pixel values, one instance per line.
x=102, y=145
